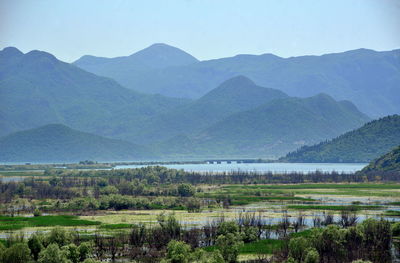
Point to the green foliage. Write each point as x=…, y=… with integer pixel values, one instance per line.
x=298, y=248
x=13, y=223
x=85, y=249
x=389, y=162
x=35, y=244
x=37, y=212
x=178, y=252
x=312, y=256
x=361, y=145
x=59, y=236
x=186, y=190
x=17, y=253
x=396, y=229
x=229, y=246
x=53, y=254
x=72, y=253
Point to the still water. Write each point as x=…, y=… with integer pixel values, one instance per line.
x=263, y=167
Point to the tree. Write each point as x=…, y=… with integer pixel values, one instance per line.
x=53, y=254
x=186, y=190
x=35, y=245
x=17, y=253
x=229, y=246
x=85, y=249
x=59, y=236
x=178, y=252
x=298, y=247
x=72, y=252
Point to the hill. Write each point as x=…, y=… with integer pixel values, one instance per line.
x=59, y=143
x=128, y=68
x=368, y=78
x=361, y=145
x=234, y=95
x=389, y=162
x=37, y=89
x=271, y=129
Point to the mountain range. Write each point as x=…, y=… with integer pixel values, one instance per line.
x=38, y=89
x=271, y=129
x=361, y=145
x=235, y=118
x=59, y=143
x=368, y=78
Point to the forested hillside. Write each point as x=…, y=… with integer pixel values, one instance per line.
x=361, y=145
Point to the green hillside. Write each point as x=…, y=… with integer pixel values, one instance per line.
x=59, y=143
x=37, y=89
x=361, y=145
x=234, y=95
x=272, y=129
x=389, y=162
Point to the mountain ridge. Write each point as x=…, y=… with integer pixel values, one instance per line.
x=353, y=75
x=59, y=143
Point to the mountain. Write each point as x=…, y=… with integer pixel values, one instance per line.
x=389, y=162
x=271, y=129
x=37, y=89
x=59, y=143
x=361, y=145
x=127, y=69
x=234, y=95
x=368, y=78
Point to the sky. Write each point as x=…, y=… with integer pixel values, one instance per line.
x=207, y=29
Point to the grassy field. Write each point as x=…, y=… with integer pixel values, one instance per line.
x=334, y=207
x=16, y=223
x=295, y=190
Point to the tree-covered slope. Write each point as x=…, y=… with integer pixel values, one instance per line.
x=234, y=95
x=368, y=78
x=361, y=145
x=272, y=129
x=59, y=143
x=389, y=162
x=37, y=89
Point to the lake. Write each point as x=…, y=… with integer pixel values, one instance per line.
x=262, y=167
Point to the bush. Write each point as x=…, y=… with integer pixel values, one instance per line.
x=37, y=212
x=312, y=256
x=186, y=190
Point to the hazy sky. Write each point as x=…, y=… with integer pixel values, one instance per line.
x=205, y=28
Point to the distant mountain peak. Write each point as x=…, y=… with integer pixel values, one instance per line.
x=238, y=80
x=163, y=52
x=37, y=54
x=11, y=51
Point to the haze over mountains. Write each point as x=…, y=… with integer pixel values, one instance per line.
x=58, y=143
x=37, y=89
x=234, y=118
x=368, y=78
